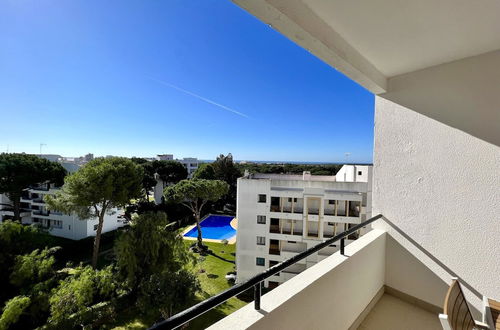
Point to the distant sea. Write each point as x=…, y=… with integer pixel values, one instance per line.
x=278, y=162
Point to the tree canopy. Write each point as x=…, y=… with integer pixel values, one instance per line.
x=148, y=178
x=315, y=169
x=148, y=247
x=205, y=171
x=194, y=194
x=224, y=169
x=96, y=188
x=170, y=171
x=76, y=293
x=190, y=191
x=20, y=171
x=153, y=262
x=17, y=239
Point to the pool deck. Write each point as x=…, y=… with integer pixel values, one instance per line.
x=232, y=240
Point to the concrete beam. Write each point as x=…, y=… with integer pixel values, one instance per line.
x=299, y=23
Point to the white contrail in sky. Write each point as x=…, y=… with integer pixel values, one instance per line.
x=200, y=97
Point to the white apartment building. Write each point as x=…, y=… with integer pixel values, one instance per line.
x=165, y=157
x=191, y=164
x=281, y=215
x=58, y=224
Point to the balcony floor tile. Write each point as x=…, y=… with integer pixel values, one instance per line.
x=391, y=313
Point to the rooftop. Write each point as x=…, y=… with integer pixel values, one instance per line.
x=306, y=176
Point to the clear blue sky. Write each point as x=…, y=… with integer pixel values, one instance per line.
x=192, y=78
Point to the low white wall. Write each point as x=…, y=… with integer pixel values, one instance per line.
x=329, y=295
x=404, y=272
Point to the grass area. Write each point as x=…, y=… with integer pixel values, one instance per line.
x=213, y=281
x=211, y=271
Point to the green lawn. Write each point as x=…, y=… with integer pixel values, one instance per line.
x=211, y=272
x=213, y=281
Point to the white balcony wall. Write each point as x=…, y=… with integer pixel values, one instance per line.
x=328, y=295
x=439, y=184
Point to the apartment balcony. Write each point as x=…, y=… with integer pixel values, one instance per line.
x=9, y=212
x=366, y=288
x=274, y=229
x=313, y=211
x=40, y=187
x=329, y=211
x=379, y=281
x=295, y=269
x=275, y=208
x=313, y=233
x=274, y=250
x=41, y=213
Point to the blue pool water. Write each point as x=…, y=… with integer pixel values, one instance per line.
x=214, y=227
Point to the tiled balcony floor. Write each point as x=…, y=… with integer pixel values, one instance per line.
x=391, y=313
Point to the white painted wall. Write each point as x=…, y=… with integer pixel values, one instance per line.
x=404, y=272
x=353, y=173
x=439, y=185
x=329, y=295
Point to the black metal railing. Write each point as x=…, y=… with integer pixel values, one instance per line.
x=256, y=282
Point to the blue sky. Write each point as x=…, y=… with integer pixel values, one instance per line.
x=192, y=78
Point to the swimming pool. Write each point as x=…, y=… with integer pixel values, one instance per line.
x=217, y=227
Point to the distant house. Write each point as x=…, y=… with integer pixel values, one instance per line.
x=34, y=211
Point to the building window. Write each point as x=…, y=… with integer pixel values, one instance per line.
x=359, y=172
x=260, y=261
x=262, y=198
x=95, y=227
x=261, y=219
x=261, y=240
x=331, y=201
x=291, y=242
x=69, y=227
x=55, y=223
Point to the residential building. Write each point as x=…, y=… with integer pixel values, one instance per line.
x=165, y=157
x=434, y=68
x=191, y=165
x=281, y=215
x=34, y=211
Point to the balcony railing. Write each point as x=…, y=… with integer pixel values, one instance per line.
x=42, y=213
x=329, y=212
x=313, y=211
x=40, y=187
x=275, y=208
x=274, y=250
x=274, y=229
x=256, y=282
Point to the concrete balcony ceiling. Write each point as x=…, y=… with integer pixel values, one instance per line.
x=418, y=54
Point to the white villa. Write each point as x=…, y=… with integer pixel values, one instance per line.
x=58, y=224
x=281, y=215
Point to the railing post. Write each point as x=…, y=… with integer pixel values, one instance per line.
x=342, y=246
x=256, y=295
